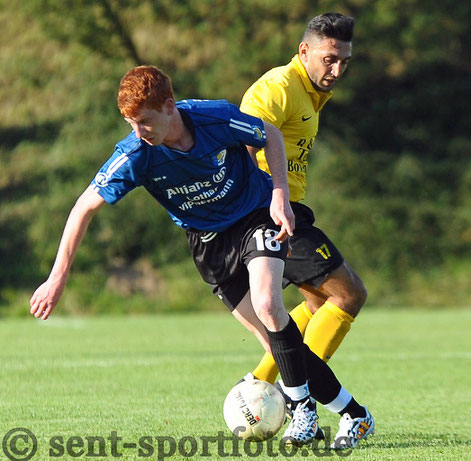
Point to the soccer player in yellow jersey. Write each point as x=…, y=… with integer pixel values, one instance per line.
x=291, y=98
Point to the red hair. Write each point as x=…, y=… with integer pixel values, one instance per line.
x=143, y=86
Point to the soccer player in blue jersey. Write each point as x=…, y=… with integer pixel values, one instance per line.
x=191, y=156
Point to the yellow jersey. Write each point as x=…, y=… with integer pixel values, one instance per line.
x=285, y=97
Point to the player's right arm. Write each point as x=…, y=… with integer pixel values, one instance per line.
x=46, y=297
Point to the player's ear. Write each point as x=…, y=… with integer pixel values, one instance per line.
x=303, y=49
x=169, y=105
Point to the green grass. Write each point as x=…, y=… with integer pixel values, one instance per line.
x=168, y=375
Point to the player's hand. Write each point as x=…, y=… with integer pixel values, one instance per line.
x=46, y=297
x=282, y=214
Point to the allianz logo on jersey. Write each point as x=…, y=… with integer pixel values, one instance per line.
x=198, y=185
x=218, y=177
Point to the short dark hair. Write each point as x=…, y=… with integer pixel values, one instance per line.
x=330, y=25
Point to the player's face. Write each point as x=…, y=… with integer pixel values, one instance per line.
x=151, y=125
x=325, y=60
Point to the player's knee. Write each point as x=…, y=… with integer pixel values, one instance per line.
x=361, y=293
x=265, y=310
x=270, y=313
x=351, y=298
x=356, y=298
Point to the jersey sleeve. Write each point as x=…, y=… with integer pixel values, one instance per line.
x=245, y=128
x=266, y=100
x=116, y=177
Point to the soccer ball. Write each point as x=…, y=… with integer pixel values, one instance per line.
x=254, y=410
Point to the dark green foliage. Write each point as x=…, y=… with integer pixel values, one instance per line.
x=390, y=174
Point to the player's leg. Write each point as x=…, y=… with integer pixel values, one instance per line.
x=344, y=295
x=323, y=334
x=343, y=287
x=245, y=314
x=285, y=340
x=333, y=292
x=313, y=300
x=230, y=282
x=267, y=370
x=248, y=265
x=286, y=343
x=356, y=422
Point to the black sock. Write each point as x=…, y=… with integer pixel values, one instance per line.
x=323, y=384
x=354, y=409
x=288, y=351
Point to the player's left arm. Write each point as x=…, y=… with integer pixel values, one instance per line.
x=275, y=153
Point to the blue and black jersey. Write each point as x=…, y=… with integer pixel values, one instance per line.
x=209, y=187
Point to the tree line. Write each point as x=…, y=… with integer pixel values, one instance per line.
x=389, y=175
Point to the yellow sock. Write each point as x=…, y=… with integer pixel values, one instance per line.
x=326, y=330
x=267, y=370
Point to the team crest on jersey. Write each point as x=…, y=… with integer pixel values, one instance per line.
x=221, y=157
x=101, y=179
x=257, y=132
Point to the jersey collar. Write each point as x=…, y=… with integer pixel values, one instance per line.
x=319, y=98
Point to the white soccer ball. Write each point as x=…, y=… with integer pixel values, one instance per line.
x=254, y=410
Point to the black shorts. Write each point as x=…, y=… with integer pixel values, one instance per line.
x=313, y=256
x=222, y=258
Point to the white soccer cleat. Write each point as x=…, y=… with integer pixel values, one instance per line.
x=289, y=412
x=303, y=425
x=351, y=431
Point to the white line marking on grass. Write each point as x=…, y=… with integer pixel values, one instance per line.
x=110, y=363
x=408, y=356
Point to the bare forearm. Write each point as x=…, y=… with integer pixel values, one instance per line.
x=280, y=208
x=46, y=296
x=276, y=157
x=74, y=231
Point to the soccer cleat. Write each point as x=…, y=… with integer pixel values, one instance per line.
x=289, y=412
x=352, y=430
x=302, y=428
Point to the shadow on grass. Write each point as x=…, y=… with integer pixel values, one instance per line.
x=40, y=132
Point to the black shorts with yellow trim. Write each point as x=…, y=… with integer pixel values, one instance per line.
x=313, y=257
x=221, y=258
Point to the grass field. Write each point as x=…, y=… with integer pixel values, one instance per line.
x=159, y=383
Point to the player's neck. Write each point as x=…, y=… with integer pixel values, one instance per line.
x=181, y=138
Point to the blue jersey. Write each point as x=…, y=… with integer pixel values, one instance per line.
x=209, y=187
